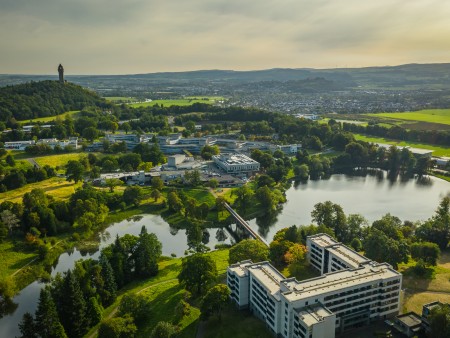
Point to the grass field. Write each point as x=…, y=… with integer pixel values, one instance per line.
x=178, y=102
x=13, y=258
x=164, y=292
x=58, y=160
x=50, y=118
x=57, y=187
x=435, y=285
x=437, y=151
x=120, y=99
x=440, y=116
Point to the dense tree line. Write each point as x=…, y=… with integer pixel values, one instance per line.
x=45, y=98
x=73, y=302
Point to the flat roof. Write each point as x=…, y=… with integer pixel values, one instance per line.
x=240, y=268
x=231, y=159
x=338, y=280
x=322, y=240
x=313, y=314
x=268, y=275
x=410, y=319
x=348, y=255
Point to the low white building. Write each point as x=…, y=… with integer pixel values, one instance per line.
x=236, y=163
x=351, y=294
x=18, y=145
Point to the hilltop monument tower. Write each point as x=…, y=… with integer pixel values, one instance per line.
x=61, y=73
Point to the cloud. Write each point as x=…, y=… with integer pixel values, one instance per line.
x=136, y=36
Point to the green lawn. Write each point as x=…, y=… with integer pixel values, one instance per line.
x=120, y=99
x=177, y=102
x=49, y=118
x=437, y=151
x=57, y=160
x=435, y=285
x=441, y=116
x=165, y=293
x=57, y=187
x=13, y=258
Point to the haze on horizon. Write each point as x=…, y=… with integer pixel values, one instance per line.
x=146, y=36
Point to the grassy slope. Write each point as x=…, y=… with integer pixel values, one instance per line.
x=441, y=116
x=50, y=118
x=56, y=160
x=13, y=258
x=431, y=287
x=57, y=187
x=164, y=292
x=437, y=151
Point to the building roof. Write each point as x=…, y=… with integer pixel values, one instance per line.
x=410, y=319
x=338, y=280
x=313, y=314
x=347, y=255
x=240, y=268
x=268, y=275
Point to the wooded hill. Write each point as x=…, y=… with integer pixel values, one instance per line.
x=45, y=98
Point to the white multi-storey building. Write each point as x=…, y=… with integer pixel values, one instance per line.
x=236, y=163
x=352, y=291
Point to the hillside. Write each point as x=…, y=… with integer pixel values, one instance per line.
x=42, y=99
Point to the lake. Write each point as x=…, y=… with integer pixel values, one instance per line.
x=371, y=196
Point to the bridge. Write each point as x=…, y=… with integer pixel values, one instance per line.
x=244, y=223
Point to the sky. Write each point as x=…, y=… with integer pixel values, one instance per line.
x=147, y=36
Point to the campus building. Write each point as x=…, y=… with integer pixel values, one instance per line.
x=236, y=163
x=352, y=291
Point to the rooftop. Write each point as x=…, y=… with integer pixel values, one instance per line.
x=268, y=275
x=313, y=314
x=338, y=280
x=231, y=159
x=410, y=319
x=348, y=255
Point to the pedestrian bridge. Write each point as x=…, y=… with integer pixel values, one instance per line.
x=244, y=223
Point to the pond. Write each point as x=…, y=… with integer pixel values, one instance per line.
x=173, y=241
x=370, y=196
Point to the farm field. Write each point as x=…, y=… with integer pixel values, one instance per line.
x=441, y=116
x=178, y=102
x=57, y=187
x=437, y=151
x=50, y=118
x=120, y=99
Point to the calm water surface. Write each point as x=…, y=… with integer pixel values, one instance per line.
x=370, y=196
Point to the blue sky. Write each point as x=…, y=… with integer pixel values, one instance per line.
x=142, y=36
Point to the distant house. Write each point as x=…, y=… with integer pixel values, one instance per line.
x=18, y=145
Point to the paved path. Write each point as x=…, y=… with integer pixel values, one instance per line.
x=33, y=162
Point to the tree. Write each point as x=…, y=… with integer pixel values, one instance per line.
x=117, y=327
x=47, y=323
x=74, y=171
x=278, y=251
x=382, y=248
x=302, y=172
x=208, y=151
x=135, y=305
x=332, y=216
x=126, y=127
x=244, y=196
x=108, y=291
x=426, y=251
x=265, y=180
x=9, y=220
x=164, y=330
x=132, y=195
x=10, y=160
x=295, y=254
x=220, y=204
x=174, y=201
x=157, y=183
x=155, y=194
x=214, y=301
x=147, y=253
x=192, y=177
x=251, y=249
x=72, y=307
x=111, y=183
x=197, y=273
x=213, y=183
x=27, y=326
x=90, y=133
x=439, y=320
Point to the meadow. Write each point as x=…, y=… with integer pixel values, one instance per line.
x=56, y=187
x=50, y=118
x=57, y=160
x=437, y=151
x=439, y=116
x=179, y=102
x=433, y=286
